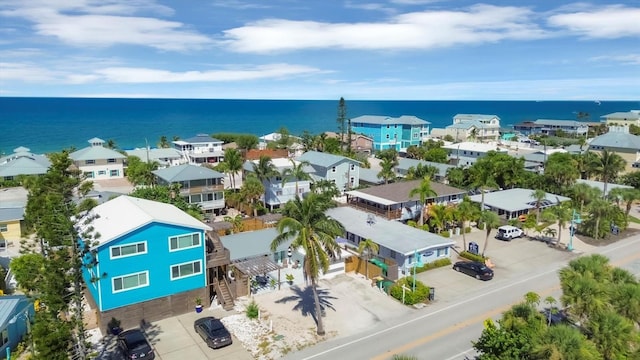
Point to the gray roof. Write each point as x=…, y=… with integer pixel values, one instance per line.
x=250, y=244
x=617, y=139
x=390, y=234
x=186, y=172
x=201, y=139
x=628, y=115
x=398, y=192
x=515, y=199
x=466, y=125
x=324, y=159
x=10, y=306
x=23, y=163
x=561, y=122
x=11, y=213
x=575, y=149
x=538, y=157
x=465, y=117
x=95, y=153
x=404, y=164
x=600, y=185
x=388, y=120
x=370, y=176
x=155, y=154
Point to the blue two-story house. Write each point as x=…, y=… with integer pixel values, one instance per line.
x=143, y=260
x=341, y=170
x=391, y=132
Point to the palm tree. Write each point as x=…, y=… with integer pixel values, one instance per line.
x=551, y=301
x=467, y=210
x=560, y=213
x=599, y=209
x=368, y=247
x=233, y=162
x=482, y=177
x=582, y=194
x=564, y=342
x=491, y=221
x=163, y=143
x=539, y=196
x=420, y=172
x=111, y=144
x=607, y=166
x=612, y=334
x=236, y=222
x=296, y=172
x=440, y=216
x=425, y=192
x=627, y=196
x=387, y=172
x=626, y=301
x=264, y=171
x=308, y=228
x=251, y=190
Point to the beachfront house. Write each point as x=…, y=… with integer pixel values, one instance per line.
x=622, y=118
x=199, y=185
x=467, y=153
x=391, y=132
x=511, y=203
x=200, y=149
x=550, y=127
x=341, y=170
x=16, y=318
x=392, y=201
x=22, y=163
x=278, y=190
x=97, y=162
x=403, y=245
x=480, y=127
x=143, y=260
x=620, y=141
x=165, y=157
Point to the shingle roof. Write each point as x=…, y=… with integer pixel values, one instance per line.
x=11, y=213
x=390, y=234
x=186, y=172
x=95, y=153
x=201, y=138
x=124, y=214
x=324, y=159
x=514, y=199
x=399, y=192
x=617, y=139
x=384, y=120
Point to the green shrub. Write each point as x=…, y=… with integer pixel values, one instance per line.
x=410, y=297
x=434, y=265
x=445, y=234
x=467, y=229
x=473, y=257
x=412, y=223
x=481, y=226
x=253, y=311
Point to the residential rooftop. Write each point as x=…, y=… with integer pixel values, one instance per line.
x=249, y=244
x=388, y=120
x=474, y=146
x=516, y=199
x=398, y=192
x=186, y=172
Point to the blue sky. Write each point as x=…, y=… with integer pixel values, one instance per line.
x=279, y=49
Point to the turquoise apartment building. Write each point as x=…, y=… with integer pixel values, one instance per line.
x=391, y=132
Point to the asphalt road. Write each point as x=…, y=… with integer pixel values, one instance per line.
x=444, y=331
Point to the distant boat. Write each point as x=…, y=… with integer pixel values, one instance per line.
x=597, y=102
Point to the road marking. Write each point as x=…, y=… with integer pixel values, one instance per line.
x=468, y=300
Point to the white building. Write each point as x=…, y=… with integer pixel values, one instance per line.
x=467, y=153
x=97, y=162
x=278, y=190
x=200, y=149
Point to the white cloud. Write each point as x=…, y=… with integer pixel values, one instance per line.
x=144, y=75
x=25, y=73
x=629, y=59
x=607, y=22
x=98, y=23
x=418, y=30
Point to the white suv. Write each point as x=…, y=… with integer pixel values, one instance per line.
x=508, y=232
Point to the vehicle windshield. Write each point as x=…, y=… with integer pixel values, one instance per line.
x=483, y=268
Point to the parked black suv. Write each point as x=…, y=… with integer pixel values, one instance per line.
x=134, y=345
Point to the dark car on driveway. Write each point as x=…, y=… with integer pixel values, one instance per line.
x=213, y=332
x=134, y=345
x=473, y=268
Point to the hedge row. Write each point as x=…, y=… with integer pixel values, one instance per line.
x=433, y=265
x=410, y=297
x=473, y=257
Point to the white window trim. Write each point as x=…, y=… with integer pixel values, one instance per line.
x=188, y=247
x=146, y=249
x=185, y=276
x=113, y=279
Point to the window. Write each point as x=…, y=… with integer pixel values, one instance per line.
x=196, y=198
x=102, y=173
x=130, y=282
x=442, y=252
x=114, y=173
x=415, y=135
x=278, y=192
x=89, y=162
x=88, y=174
x=4, y=228
x=128, y=250
x=184, y=241
x=387, y=126
x=387, y=136
x=353, y=167
x=111, y=161
x=352, y=180
x=300, y=191
x=5, y=337
x=186, y=270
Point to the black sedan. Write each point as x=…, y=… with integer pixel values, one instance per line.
x=213, y=332
x=476, y=269
x=134, y=345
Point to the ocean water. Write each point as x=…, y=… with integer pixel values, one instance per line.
x=52, y=124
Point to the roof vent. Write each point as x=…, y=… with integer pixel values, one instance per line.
x=371, y=219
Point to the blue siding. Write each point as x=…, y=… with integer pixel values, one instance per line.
x=157, y=262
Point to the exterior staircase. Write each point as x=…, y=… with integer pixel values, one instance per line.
x=224, y=294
